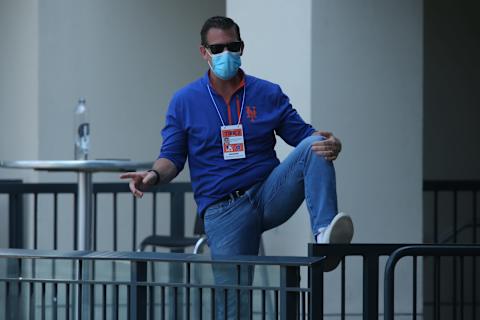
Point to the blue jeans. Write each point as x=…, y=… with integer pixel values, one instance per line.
x=234, y=227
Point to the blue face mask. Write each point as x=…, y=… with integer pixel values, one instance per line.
x=225, y=64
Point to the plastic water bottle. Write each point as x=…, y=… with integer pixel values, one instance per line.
x=82, y=131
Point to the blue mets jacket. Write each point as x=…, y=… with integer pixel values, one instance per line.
x=192, y=130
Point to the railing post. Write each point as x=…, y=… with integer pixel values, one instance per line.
x=12, y=304
x=315, y=302
x=289, y=300
x=389, y=289
x=15, y=218
x=370, y=286
x=14, y=270
x=15, y=240
x=85, y=289
x=177, y=215
x=177, y=230
x=138, y=293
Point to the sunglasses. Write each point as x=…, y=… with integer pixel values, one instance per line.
x=235, y=46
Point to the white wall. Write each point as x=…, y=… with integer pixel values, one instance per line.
x=127, y=58
x=367, y=75
x=367, y=80
x=18, y=83
x=18, y=92
x=364, y=83
x=355, y=68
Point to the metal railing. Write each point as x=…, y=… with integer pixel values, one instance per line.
x=451, y=211
x=370, y=266
x=450, y=217
x=458, y=308
x=436, y=271
x=30, y=291
x=27, y=198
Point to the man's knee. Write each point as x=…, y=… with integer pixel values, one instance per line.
x=305, y=147
x=307, y=142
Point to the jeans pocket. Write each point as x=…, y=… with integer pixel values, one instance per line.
x=213, y=211
x=222, y=209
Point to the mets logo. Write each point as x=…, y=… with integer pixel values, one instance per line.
x=251, y=113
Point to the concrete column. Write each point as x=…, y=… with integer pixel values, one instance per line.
x=354, y=68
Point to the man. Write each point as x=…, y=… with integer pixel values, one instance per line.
x=244, y=191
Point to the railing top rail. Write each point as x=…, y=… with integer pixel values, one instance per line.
x=156, y=257
x=354, y=249
x=98, y=187
x=38, y=187
x=434, y=250
x=376, y=249
x=428, y=185
x=451, y=185
x=414, y=251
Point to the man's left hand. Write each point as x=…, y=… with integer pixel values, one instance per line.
x=328, y=148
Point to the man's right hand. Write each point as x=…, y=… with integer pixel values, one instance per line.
x=140, y=181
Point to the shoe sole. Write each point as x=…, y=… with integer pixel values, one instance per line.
x=341, y=231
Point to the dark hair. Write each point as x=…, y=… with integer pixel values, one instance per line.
x=218, y=22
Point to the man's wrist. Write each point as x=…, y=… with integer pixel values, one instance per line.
x=157, y=176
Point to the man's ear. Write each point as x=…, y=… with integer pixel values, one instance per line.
x=203, y=53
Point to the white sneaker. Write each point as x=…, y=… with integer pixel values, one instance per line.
x=340, y=230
